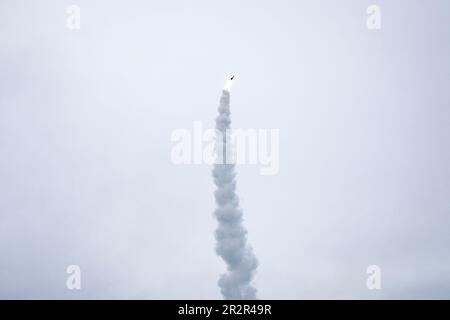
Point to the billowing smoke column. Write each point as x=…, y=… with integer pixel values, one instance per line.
x=231, y=235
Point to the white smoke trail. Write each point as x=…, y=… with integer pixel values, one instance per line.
x=231, y=236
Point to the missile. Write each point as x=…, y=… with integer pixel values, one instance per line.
x=228, y=84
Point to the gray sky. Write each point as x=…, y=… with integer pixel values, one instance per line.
x=86, y=118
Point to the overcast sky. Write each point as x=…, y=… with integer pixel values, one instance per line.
x=86, y=117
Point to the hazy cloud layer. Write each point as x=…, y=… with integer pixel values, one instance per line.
x=86, y=118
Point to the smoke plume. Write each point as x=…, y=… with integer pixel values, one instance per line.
x=231, y=236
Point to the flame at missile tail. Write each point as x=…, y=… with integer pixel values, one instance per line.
x=228, y=84
x=231, y=235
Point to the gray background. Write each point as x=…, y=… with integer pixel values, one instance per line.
x=85, y=124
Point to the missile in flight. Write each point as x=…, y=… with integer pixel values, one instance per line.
x=228, y=84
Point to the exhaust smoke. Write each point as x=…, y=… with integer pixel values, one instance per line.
x=231, y=236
